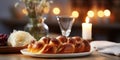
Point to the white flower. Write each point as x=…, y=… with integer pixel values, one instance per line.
x=19, y=39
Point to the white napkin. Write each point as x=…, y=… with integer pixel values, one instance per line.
x=106, y=47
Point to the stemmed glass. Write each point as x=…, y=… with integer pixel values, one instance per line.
x=65, y=23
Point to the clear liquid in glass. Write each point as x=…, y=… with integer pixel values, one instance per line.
x=65, y=24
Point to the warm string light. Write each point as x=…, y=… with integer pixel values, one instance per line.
x=75, y=14
x=56, y=11
x=100, y=13
x=90, y=13
x=107, y=13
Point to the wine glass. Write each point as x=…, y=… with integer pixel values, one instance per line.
x=65, y=23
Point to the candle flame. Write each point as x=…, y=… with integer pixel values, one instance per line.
x=100, y=13
x=87, y=20
x=107, y=12
x=56, y=10
x=75, y=14
x=90, y=13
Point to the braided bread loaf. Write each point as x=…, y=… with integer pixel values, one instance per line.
x=60, y=44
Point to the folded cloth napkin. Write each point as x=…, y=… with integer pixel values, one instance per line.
x=106, y=47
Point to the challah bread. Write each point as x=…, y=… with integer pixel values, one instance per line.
x=45, y=40
x=49, y=49
x=62, y=39
x=77, y=39
x=71, y=41
x=35, y=47
x=54, y=42
x=66, y=48
x=79, y=47
x=87, y=46
x=60, y=44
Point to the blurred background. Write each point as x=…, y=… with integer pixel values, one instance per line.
x=104, y=15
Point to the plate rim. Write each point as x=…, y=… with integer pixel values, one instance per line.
x=25, y=52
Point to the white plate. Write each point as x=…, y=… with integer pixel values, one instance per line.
x=25, y=52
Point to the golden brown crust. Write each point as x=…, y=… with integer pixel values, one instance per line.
x=71, y=41
x=61, y=44
x=54, y=42
x=45, y=40
x=49, y=49
x=77, y=39
x=62, y=39
x=66, y=48
x=79, y=47
x=87, y=46
x=35, y=47
x=29, y=47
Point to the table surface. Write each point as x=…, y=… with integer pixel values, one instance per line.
x=93, y=56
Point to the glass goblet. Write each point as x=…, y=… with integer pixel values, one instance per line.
x=65, y=23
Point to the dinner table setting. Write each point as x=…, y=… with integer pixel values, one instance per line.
x=103, y=50
x=36, y=42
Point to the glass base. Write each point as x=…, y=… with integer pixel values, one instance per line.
x=66, y=33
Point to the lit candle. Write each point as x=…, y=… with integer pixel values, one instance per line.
x=87, y=30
